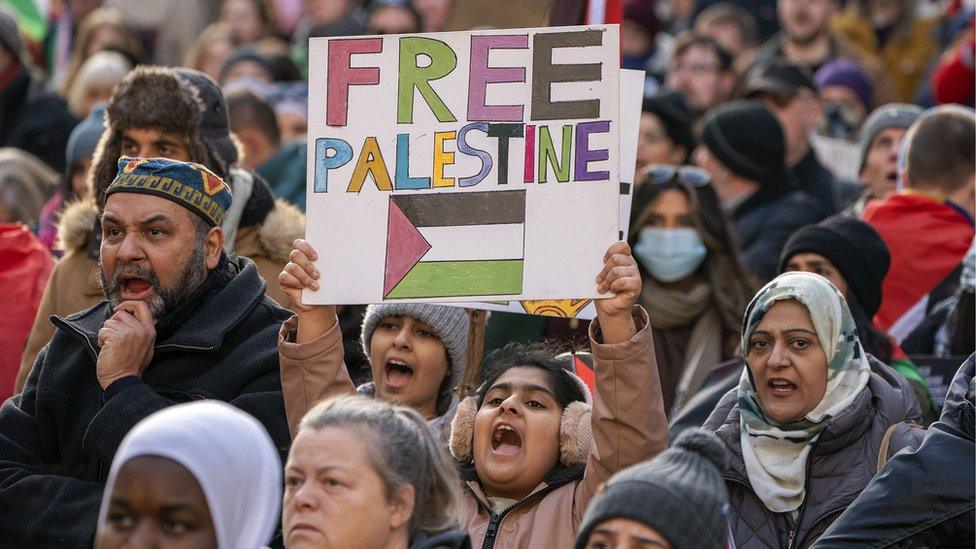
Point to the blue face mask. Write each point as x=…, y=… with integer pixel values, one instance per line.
x=669, y=254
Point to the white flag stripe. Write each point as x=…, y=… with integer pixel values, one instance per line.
x=474, y=242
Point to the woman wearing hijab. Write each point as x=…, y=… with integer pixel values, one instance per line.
x=694, y=287
x=810, y=416
x=202, y=474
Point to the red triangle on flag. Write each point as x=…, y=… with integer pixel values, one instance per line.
x=405, y=246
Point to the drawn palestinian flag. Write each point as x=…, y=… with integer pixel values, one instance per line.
x=455, y=244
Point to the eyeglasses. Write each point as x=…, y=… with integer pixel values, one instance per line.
x=657, y=174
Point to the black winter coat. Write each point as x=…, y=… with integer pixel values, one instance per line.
x=764, y=222
x=35, y=120
x=58, y=438
x=924, y=497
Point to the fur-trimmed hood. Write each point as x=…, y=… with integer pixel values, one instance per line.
x=274, y=235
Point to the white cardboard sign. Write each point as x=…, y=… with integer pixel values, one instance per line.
x=444, y=167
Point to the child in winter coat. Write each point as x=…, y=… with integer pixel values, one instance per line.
x=416, y=351
x=532, y=445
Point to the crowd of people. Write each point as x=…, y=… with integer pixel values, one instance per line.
x=801, y=246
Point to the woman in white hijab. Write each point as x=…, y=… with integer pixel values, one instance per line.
x=810, y=416
x=202, y=474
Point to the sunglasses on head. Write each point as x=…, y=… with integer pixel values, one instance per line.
x=658, y=174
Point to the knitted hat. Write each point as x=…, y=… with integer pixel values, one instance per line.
x=854, y=247
x=892, y=115
x=190, y=185
x=674, y=113
x=680, y=494
x=85, y=137
x=847, y=74
x=10, y=34
x=748, y=140
x=450, y=324
x=778, y=77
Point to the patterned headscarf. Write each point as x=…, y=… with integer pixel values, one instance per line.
x=775, y=453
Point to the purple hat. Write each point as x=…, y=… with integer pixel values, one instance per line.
x=849, y=74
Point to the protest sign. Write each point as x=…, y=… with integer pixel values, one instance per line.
x=442, y=167
x=631, y=98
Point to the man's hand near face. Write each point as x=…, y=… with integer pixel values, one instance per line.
x=126, y=342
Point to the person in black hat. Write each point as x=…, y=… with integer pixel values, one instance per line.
x=31, y=118
x=665, y=132
x=851, y=254
x=743, y=150
x=677, y=500
x=787, y=89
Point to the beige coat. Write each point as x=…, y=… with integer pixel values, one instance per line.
x=629, y=426
x=74, y=283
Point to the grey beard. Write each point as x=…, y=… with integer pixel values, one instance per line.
x=164, y=299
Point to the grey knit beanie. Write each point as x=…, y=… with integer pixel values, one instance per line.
x=892, y=115
x=450, y=324
x=680, y=494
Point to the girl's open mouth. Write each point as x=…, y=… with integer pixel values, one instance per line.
x=398, y=374
x=505, y=440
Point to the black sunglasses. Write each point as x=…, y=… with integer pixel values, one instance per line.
x=657, y=174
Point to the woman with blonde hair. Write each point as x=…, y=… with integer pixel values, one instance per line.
x=366, y=473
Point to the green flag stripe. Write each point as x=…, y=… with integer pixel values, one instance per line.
x=460, y=278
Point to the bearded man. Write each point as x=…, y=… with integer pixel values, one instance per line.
x=181, y=320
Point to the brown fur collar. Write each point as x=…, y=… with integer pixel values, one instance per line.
x=280, y=228
x=75, y=227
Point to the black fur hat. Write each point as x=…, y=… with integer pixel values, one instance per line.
x=156, y=98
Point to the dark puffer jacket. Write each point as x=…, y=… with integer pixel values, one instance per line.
x=58, y=437
x=843, y=461
x=926, y=497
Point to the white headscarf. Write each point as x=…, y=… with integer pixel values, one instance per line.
x=230, y=455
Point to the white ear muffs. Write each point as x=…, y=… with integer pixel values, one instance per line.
x=575, y=432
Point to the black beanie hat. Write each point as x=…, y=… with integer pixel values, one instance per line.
x=680, y=494
x=748, y=140
x=675, y=115
x=854, y=247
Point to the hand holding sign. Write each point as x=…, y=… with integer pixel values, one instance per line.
x=620, y=276
x=298, y=274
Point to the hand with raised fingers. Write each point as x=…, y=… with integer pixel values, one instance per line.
x=126, y=343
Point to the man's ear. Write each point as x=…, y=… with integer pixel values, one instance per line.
x=402, y=506
x=213, y=244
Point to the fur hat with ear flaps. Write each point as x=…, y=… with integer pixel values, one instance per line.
x=151, y=98
x=575, y=429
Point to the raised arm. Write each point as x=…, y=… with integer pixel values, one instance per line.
x=310, y=342
x=628, y=419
